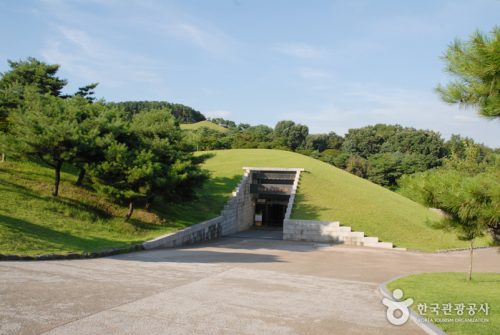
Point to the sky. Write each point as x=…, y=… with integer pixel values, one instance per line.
x=331, y=65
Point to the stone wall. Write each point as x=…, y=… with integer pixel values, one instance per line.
x=238, y=213
x=236, y=216
x=200, y=232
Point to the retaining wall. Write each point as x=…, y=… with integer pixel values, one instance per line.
x=236, y=216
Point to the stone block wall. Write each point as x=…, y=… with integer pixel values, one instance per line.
x=200, y=232
x=236, y=216
x=238, y=213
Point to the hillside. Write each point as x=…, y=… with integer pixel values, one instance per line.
x=329, y=193
x=182, y=113
x=203, y=124
x=33, y=222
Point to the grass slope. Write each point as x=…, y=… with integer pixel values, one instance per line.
x=444, y=288
x=33, y=222
x=203, y=124
x=331, y=194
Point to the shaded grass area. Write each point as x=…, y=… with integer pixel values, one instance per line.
x=444, y=288
x=32, y=222
x=331, y=194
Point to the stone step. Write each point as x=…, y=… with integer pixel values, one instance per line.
x=382, y=245
x=369, y=239
x=357, y=234
x=334, y=230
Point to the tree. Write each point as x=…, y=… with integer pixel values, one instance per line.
x=124, y=173
x=223, y=122
x=386, y=168
x=144, y=159
x=357, y=166
x=87, y=92
x=335, y=141
x=208, y=139
x=471, y=203
x=48, y=128
x=100, y=124
x=253, y=137
x=317, y=142
x=183, y=114
x=289, y=134
x=368, y=140
x=40, y=76
x=178, y=172
x=30, y=72
x=475, y=65
x=427, y=144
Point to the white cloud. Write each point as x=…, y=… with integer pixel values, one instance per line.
x=205, y=39
x=91, y=60
x=311, y=73
x=300, y=50
x=217, y=113
x=369, y=104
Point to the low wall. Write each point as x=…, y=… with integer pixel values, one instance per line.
x=200, y=232
x=236, y=216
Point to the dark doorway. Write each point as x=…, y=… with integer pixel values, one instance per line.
x=272, y=214
x=275, y=215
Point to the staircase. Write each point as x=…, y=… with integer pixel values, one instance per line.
x=330, y=232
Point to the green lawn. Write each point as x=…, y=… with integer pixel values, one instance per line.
x=203, y=124
x=444, y=288
x=33, y=222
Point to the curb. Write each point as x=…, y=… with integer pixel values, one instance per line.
x=73, y=255
x=427, y=327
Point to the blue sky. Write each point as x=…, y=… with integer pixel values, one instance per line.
x=332, y=65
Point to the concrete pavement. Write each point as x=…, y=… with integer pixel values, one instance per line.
x=230, y=286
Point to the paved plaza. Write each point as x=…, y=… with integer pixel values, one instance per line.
x=237, y=285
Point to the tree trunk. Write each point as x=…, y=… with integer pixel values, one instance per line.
x=149, y=203
x=2, y=159
x=81, y=175
x=130, y=210
x=470, y=264
x=58, y=167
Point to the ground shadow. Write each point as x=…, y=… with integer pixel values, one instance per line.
x=25, y=191
x=45, y=237
x=197, y=256
x=208, y=203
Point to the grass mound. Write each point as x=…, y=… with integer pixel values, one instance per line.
x=453, y=288
x=203, y=124
x=33, y=222
x=331, y=194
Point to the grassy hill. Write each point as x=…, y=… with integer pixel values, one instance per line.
x=331, y=194
x=33, y=222
x=203, y=124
